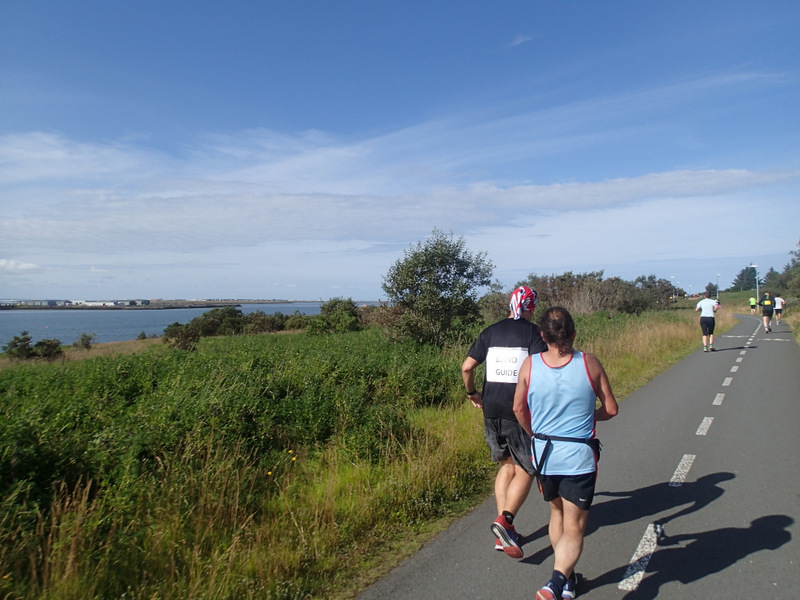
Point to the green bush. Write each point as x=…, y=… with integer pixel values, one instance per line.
x=20, y=347
x=86, y=340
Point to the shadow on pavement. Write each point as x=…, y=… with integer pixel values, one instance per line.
x=704, y=553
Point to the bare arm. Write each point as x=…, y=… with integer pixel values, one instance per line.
x=468, y=376
x=608, y=408
x=521, y=410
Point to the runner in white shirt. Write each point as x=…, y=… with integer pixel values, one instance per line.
x=707, y=308
x=779, y=302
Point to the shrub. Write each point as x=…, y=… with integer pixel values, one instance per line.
x=181, y=337
x=86, y=340
x=49, y=349
x=20, y=347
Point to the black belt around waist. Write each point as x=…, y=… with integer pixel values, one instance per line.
x=593, y=443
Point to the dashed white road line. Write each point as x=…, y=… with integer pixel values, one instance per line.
x=706, y=423
x=636, y=568
x=647, y=546
x=682, y=470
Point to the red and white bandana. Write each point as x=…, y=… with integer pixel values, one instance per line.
x=523, y=298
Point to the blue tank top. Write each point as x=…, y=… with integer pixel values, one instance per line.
x=562, y=403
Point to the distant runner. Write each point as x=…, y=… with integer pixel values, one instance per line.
x=767, y=309
x=707, y=308
x=779, y=302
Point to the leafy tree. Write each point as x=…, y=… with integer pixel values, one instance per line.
x=494, y=304
x=657, y=291
x=434, y=289
x=585, y=293
x=182, y=337
x=85, y=341
x=20, y=347
x=297, y=320
x=260, y=322
x=220, y=321
x=49, y=349
x=773, y=280
x=337, y=315
x=792, y=272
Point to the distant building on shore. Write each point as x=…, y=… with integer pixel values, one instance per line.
x=74, y=303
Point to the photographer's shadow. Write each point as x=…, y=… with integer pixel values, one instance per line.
x=706, y=553
x=654, y=500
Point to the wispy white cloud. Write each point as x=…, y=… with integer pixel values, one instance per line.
x=13, y=266
x=519, y=39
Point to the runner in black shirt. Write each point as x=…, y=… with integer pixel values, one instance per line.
x=502, y=347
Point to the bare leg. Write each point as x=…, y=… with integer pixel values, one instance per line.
x=511, y=487
x=517, y=490
x=504, y=478
x=567, y=528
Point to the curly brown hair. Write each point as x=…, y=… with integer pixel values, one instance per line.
x=558, y=328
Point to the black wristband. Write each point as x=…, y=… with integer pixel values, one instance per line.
x=472, y=393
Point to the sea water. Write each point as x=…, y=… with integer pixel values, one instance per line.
x=117, y=325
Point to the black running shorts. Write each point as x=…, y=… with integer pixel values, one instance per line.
x=578, y=489
x=707, y=325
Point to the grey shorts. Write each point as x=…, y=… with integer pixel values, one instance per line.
x=507, y=438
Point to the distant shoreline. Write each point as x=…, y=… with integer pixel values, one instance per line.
x=161, y=305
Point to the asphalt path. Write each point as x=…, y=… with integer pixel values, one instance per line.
x=698, y=493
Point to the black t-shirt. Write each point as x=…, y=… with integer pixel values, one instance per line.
x=503, y=346
x=767, y=305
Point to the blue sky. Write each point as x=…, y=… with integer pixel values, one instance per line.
x=295, y=150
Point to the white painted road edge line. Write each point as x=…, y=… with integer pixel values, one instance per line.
x=682, y=470
x=703, y=429
x=718, y=399
x=636, y=568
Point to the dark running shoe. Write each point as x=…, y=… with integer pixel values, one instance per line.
x=570, y=588
x=508, y=537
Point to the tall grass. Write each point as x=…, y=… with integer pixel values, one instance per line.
x=277, y=467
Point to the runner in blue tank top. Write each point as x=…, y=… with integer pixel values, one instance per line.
x=555, y=400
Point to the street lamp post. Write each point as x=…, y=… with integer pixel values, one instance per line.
x=718, y=274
